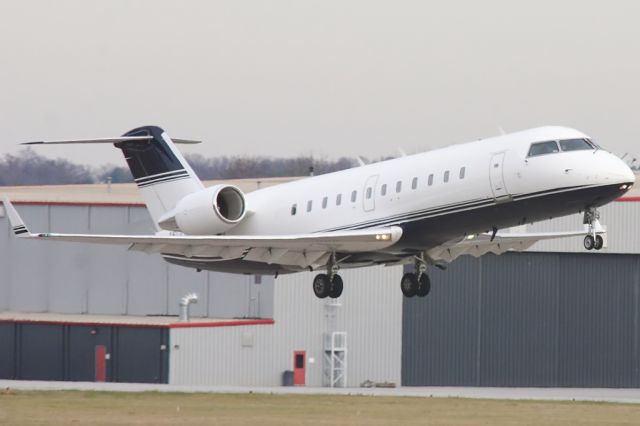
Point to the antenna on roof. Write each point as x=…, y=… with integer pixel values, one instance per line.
x=360, y=161
x=401, y=152
x=501, y=130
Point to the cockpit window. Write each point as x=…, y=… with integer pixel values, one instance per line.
x=541, y=148
x=576, y=145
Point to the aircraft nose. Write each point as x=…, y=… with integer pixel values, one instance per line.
x=617, y=171
x=625, y=172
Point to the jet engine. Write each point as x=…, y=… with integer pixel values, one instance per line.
x=211, y=211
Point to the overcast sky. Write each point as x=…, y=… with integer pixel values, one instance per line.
x=328, y=78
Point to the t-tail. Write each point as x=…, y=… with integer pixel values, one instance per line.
x=159, y=169
x=162, y=174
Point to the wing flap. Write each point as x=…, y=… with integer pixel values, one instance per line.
x=478, y=245
x=347, y=241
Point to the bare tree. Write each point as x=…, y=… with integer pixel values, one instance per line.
x=29, y=168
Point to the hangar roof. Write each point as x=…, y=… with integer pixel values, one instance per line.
x=121, y=193
x=123, y=321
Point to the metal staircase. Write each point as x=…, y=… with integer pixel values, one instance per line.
x=334, y=363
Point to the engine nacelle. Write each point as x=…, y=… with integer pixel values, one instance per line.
x=211, y=211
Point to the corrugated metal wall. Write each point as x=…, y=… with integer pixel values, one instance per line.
x=371, y=314
x=58, y=351
x=84, y=278
x=527, y=319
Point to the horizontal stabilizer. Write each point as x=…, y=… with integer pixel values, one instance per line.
x=107, y=140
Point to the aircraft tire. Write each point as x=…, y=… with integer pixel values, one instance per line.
x=335, y=289
x=409, y=284
x=599, y=242
x=321, y=286
x=424, y=286
x=589, y=242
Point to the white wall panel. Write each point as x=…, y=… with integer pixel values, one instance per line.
x=64, y=277
x=68, y=273
x=30, y=262
x=148, y=291
x=5, y=262
x=371, y=314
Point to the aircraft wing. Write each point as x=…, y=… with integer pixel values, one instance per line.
x=477, y=245
x=297, y=249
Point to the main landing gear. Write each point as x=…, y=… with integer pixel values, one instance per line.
x=418, y=283
x=592, y=241
x=329, y=284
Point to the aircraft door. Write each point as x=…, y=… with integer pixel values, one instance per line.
x=496, y=176
x=369, y=194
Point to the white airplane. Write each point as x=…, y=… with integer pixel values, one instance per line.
x=425, y=209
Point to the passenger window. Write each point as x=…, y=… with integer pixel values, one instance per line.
x=338, y=199
x=462, y=172
x=354, y=195
x=414, y=183
x=309, y=205
x=383, y=189
x=294, y=209
x=324, y=202
x=399, y=186
x=369, y=192
x=575, y=145
x=430, y=182
x=446, y=176
x=541, y=148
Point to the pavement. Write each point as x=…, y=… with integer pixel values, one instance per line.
x=630, y=396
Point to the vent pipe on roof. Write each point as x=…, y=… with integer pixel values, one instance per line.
x=185, y=302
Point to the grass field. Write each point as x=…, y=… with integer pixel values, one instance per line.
x=118, y=408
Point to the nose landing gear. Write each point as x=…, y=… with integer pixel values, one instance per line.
x=593, y=240
x=418, y=283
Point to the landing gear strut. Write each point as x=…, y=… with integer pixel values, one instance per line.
x=592, y=241
x=329, y=284
x=418, y=283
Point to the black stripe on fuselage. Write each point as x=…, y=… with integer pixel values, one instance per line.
x=423, y=233
x=441, y=210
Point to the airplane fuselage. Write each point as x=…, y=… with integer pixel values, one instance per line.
x=441, y=195
x=422, y=209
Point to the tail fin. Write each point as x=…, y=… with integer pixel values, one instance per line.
x=17, y=224
x=159, y=169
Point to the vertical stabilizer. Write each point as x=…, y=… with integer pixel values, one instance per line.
x=159, y=169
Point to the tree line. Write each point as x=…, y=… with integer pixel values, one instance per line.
x=31, y=168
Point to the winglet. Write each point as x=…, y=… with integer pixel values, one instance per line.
x=17, y=224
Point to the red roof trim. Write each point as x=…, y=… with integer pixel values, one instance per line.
x=221, y=323
x=622, y=199
x=133, y=325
